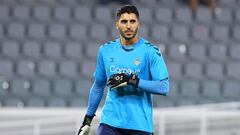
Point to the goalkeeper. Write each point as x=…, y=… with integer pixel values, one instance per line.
x=133, y=69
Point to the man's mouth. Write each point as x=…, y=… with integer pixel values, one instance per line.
x=128, y=32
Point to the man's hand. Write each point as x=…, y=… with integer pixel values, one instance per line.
x=122, y=79
x=85, y=128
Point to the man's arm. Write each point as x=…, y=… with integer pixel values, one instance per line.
x=155, y=87
x=160, y=87
x=95, y=96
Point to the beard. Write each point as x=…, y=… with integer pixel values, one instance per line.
x=124, y=35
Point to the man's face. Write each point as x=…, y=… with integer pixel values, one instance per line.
x=128, y=25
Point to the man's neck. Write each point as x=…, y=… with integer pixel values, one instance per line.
x=129, y=42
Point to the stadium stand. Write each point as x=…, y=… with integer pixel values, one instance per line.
x=48, y=50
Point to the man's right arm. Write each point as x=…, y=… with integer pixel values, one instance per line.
x=95, y=96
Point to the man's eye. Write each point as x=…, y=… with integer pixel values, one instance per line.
x=124, y=21
x=132, y=21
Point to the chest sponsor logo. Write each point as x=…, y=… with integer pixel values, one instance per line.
x=113, y=69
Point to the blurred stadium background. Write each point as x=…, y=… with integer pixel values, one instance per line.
x=48, y=52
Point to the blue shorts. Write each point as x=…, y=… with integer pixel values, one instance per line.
x=105, y=129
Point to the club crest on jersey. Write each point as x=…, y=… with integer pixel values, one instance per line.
x=137, y=62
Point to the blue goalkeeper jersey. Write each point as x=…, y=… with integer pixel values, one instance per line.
x=129, y=107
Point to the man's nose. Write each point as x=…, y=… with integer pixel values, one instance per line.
x=128, y=25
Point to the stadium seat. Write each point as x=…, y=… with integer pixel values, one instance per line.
x=168, y=3
x=11, y=49
x=174, y=90
x=78, y=102
x=234, y=51
x=56, y=102
x=223, y=15
x=69, y=2
x=83, y=14
x=220, y=33
x=233, y=70
x=13, y=102
x=164, y=15
x=21, y=13
x=162, y=102
x=114, y=32
x=57, y=31
x=37, y=31
x=31, y=49
x=203, y=15
x=53, y=50
x=211, y=89
x=186, y=102
x=91, y=50
x=229, y=3
x=214, y=70
x=35, y=102
x=4, y=88
x=99, y=32
x=2, y=34
x=236, y=32
x=6, y=67
x=4, y=13
x=16, y=30
x=203, y=101
x=145, y=14
x=26, y=2
x=177, y=52
x=183, y=15
x=197, y=52
x=41, y=88
x=26, y=68
x=180, y=33
x=47, y=68
x=160, y=32
x=175, y=69
x=103, y=14
x=68, y=69
x=144, y=31
x=20, y=87
x=82, y=88
x=151, y=3
x=88, y=68
x=237, y=15
x=231, y=89
x=73, y=50
x=62, y=13
x=218, y=52
x=201, y=33
x=63, y=87
x=78, y=32
x=190, y=89
x=42, y=13
x=193, y=70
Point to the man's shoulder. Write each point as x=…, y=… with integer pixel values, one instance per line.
x=109, y=43
x=150, y=47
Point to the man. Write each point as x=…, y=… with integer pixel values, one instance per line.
x=133, y=69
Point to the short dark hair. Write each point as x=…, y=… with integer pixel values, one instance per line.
x=127, y=9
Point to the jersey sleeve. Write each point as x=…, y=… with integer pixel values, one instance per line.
x=100, y=73
x=158, y=68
